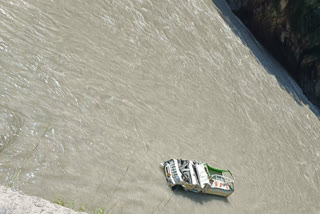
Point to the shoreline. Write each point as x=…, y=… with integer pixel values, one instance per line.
x=16, y=202
x=294, y=46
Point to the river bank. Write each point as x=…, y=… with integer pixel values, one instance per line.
x=290, y=30
x=14, y=202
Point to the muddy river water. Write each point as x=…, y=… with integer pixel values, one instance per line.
x=95, y=94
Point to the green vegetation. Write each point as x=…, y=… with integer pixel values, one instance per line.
x=276, y=5
x=290, y=30
x=79, y=208
x=61, y=202
x=304, y=17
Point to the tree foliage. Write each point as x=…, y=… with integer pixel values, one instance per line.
x=304, y=16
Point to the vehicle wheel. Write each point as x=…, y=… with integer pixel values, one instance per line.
x=175, y=187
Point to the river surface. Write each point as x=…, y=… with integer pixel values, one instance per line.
x=95, y=94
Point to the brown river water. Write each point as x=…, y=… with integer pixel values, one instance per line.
x=95, y=94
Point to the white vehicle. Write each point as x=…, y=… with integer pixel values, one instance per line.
x=198, y=177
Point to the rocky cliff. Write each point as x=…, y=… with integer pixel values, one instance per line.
x=290, y=30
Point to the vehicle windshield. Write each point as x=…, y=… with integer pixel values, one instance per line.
x=219, y=178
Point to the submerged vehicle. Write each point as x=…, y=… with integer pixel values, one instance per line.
x=198, y=177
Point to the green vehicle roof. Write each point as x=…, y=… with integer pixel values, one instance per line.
x=213, y=170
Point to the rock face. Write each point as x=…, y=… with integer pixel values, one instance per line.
x=290, y=30
x=13, y=202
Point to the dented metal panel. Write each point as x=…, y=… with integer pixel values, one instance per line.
x=194, y=176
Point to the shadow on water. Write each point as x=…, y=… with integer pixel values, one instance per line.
x=285, y=81
x=198, y=197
